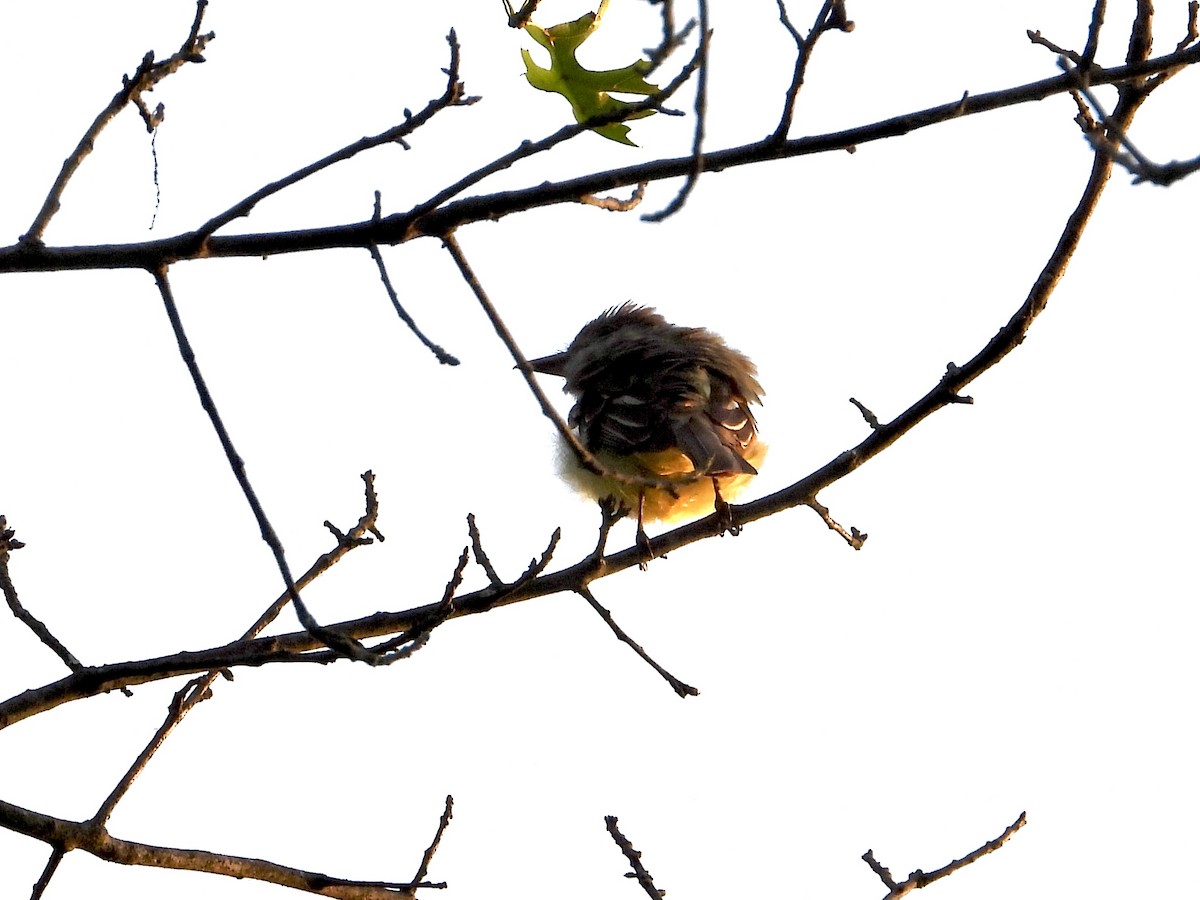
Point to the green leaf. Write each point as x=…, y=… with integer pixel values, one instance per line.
x=587, y=91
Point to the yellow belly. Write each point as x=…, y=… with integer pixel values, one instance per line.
x=693, y=498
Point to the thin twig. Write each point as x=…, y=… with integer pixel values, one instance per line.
x=464, y=267
x=333, y=640
x=43, y=882
x=409, y=642
x=566, y=133
x=186, y=699
x=453, y=95
x=8, y=543
x=538, y=564
x=879, y=869
x=481, y=556
x=679, y=687
x=853, y=537
x=920, y=879
x=586, y=459
x=635, y=859
x=499, y=587
x=700, y=107
x=1108, y=138
x=870, y=417
x=1036, y=37
x=447, y=815
x=1193, y=28
x=446, y=359
x=1092, y=47
x=832, y=17
x=148, y=74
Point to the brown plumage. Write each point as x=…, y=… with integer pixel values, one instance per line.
x=663, y=401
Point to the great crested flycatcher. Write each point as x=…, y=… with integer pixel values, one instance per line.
x=661, y=402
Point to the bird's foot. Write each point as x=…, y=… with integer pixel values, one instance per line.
x=645, y=551
x=725, y=521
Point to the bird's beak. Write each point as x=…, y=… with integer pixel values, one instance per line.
x=550, y=365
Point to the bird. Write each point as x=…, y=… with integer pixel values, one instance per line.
x=661, y=402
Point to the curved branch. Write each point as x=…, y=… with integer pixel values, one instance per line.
x=146, y=76
x=95, y=839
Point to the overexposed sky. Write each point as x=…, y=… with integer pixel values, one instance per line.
x=1017, y=633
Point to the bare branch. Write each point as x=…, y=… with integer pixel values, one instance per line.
x=700, y=108
x=853, y=537
x=867, y=415
x=481, y=556
x=443, y=357
x=453, y=95
x=832, y=17
x=518, y=18
x=919, y=879
x=947, y=390
x=200, y=689
x=1193, y=32
x=585, y=457
x=147, y=75
x=1036, y=37
x=8, y=543
x=409, y=642
x=431, y=218
x=679, y=687
x=93, y=838
x=635, y=859
x=1111, y=136
x=335, y=641
x=1141, y=37
x=1093, y=38
x=443, y=823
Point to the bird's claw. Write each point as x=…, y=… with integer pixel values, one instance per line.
x=645, y=551
x=724, y=511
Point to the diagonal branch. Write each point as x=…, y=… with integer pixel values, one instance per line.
x=187, y=698
x=200, y=689
x=681, y=688
x=585, y=456
x=635, y=860
x=444, y=357
x=346, y=646
x=146, y=76
x=919, y=879
x=8, y=543
x=453, y=95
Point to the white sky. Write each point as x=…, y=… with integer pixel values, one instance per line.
x=1016, y=635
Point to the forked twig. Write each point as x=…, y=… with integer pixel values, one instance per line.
x=147, y=75
x=919, y=879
